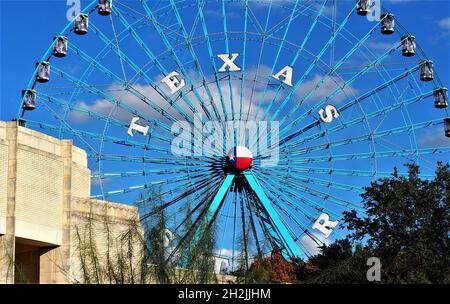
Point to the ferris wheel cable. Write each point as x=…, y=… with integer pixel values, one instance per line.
x=165, y=40
x=211, y=55
x=186, y=194
x=149, y=185
x=318, y=193
x=49, y=109
x=145, y=16
x=350, y=172
x=206, y=189
x=113, y=100
x=263, y=40
x=370, y=136
x=302, y=46
x=312, y=65
x=152, y=57
x=356, y=121
x=195, y=58
x=145, y=172
x=381, y=65
x=148, y=79
x=310, y=68
x=128, y=87
x=275, y=62
x=90, y=113
x=317, y=181
x=349, y=105
x=290, y=230
x=252, y=225
x=280, y=183
x=282, y=23
x=118, y=47
x=417, y=154
x=95, y=136
x=370, y=155
x=340, y=88
x=278, y=192
x=198, y=223
x=230, y=80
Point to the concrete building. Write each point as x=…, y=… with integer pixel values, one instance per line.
x=44, y=199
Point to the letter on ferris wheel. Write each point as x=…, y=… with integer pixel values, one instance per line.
x=324, y=225
x=173, y=82
x=229, y=62
x=286, y=73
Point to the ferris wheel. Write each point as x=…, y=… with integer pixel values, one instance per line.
x=267, y=117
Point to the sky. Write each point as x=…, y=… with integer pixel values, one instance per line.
x=27, y=29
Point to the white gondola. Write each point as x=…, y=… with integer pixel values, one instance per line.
x=363, y=7
x=60, y=46
x=29, y=100
x=387, y=24
x=104, y=7
x=426, y=70
x=447, y=126
x=81, y=24
x=43, y=71
x=441, y=98
x=409, y=46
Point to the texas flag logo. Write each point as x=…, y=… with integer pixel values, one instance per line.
x=240, y=158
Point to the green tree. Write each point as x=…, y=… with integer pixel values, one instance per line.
x=406, y=225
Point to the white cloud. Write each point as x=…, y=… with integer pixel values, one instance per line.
x=328, y=87
x=434, y=138
x=444, y=23
x=311, y=246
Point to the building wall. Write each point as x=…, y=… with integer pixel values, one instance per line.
x=44, y=200
x=3, y=179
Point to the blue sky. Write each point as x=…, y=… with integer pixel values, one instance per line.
x=27, y=28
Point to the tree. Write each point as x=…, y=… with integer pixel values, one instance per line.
x=406, y=225
x=271, y=269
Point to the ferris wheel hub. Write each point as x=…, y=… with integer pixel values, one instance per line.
x=240, y=158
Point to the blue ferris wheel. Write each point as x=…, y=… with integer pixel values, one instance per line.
x=267, y=118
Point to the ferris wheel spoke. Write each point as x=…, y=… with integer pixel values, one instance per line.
x=182, y=65
x=281, y=183
x=277, y=56
x=171, y=101
x=147, y=172
x=153, y=58
x=191, y=181
x=313, y=64
x=212, y=58
x=320, y=194
x=317, y=181
x=95, y=136
x=353, y=122
x=150, y=160
x=370, y=155
x=88, y=113
x=367, y=137
x=341, y=88
x=188, y=40
x=201, y=191
x=281, y=201
x=349, y=172
x=279, y=193
x=294, y=60
x=261, y=49
x=227, y=49
x=244, y=60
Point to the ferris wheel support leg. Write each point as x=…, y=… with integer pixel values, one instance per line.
x=278, y=228
x=220, y=195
